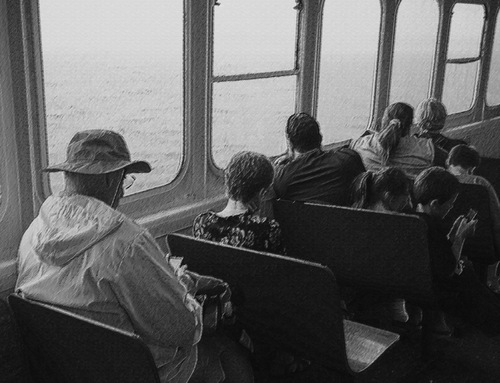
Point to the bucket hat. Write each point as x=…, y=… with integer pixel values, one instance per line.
x=98, y=152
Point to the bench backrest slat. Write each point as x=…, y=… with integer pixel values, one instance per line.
x=293, y=304
x=65, y=347
x=365, y=249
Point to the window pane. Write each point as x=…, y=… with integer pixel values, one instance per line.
x=493, y=94
x=254, y=36
x=115, y=65
x=465, y=41
x=251, y=115
x=466, y=31
x=458, y=92
x=416, y=33
x=348, y=55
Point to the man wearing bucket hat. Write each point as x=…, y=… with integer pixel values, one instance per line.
x=82, y=254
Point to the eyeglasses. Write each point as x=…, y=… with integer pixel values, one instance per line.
x=128, y=181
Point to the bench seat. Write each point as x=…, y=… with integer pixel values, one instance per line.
x=65, y=347
x=367, y=250
x=291, y=303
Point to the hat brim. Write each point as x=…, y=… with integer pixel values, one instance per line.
x=100, y=167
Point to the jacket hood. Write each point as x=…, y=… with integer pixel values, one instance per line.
x=69, y=225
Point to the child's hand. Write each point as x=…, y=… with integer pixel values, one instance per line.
x=453, y=231
x=465, y=228
x=460, y=267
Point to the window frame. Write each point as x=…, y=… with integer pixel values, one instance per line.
x=491, y=111
x=199, y=184
x=379, y=97
x=155, y=205
x=130, y=203
x=434, y=58
x=296, y=71
x=17, y=200
x=469, y=115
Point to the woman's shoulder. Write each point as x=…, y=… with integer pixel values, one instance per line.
x=261, y=221
x=205, y=216
x=206, y=219
x=366, y=143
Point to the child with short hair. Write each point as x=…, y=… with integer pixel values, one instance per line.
x=454, y=281
x=461, y=162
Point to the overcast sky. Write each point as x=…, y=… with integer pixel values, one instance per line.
x=156, y=25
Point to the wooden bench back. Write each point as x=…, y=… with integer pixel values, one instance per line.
x=13, y=368
x=365, y=249
x=293, y=304
x=65, y=347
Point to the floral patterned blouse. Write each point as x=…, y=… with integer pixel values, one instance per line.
x=242, y=230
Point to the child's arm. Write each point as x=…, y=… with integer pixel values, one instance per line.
x=460, y=231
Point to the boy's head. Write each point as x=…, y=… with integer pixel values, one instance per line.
x=436, y=190
x=303, y=132
x=463, y=159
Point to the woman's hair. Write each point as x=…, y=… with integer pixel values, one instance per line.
x=247, y=174
x=430, y=115
x=435, y=183
x=370, y=187
x=396, y=123
x=464, y=156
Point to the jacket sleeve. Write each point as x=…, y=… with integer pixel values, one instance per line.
x=158, y=305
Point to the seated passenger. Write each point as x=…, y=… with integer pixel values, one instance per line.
x=454, y=280
x=385, y=191
x=83, y=255
x=247, y=177
x=393, y=145
x=309, y=173
x=462, y=161
x=430, y=118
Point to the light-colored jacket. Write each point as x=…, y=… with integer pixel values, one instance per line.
x=412, y=154
x=84, y=256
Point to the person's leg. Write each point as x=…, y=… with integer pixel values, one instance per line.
x=235, y=361
x=208, y=367
x=221, y=360
x=478, y=304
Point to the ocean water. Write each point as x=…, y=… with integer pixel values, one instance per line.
x=142, y=98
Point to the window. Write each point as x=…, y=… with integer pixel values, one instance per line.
x=254, y=76
x=493, y=94
x=348, y=56
x=464, y=55
x=115, y=64
x=416, y=34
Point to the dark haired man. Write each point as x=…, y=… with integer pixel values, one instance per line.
x=309, y=173
x=83, y=255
